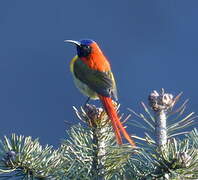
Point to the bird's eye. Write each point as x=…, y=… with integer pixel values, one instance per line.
x=84, y=50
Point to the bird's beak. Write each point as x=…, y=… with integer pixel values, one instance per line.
x=73, y=42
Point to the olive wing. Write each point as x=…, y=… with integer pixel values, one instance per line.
x=102, y=83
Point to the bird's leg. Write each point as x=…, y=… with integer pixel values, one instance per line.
x=86, y=102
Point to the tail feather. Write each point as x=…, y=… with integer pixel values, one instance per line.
x=115, y=120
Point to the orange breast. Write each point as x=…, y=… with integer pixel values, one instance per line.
x=96, y=60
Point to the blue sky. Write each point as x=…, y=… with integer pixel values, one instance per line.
x=150, y=44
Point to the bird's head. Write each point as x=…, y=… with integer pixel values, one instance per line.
x=85, y=47
x=90, y=53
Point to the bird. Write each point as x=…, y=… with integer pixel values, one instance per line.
x=93, y=77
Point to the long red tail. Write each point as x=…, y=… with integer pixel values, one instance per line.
x=115, y=120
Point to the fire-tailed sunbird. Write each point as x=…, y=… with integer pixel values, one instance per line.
x=93, y=77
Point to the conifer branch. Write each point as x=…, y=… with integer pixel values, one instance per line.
x=167, y=157
x=27, y=158
x=161, y=103
x=90, y=151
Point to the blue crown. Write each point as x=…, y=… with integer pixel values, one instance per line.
x=86, y=41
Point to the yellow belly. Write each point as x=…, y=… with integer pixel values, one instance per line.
x=84, y=89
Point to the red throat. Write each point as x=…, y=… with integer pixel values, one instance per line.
x=96, y=60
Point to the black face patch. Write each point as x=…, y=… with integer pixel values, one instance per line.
x=83, y=50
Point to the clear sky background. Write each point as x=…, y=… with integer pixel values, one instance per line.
x=150, y=43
